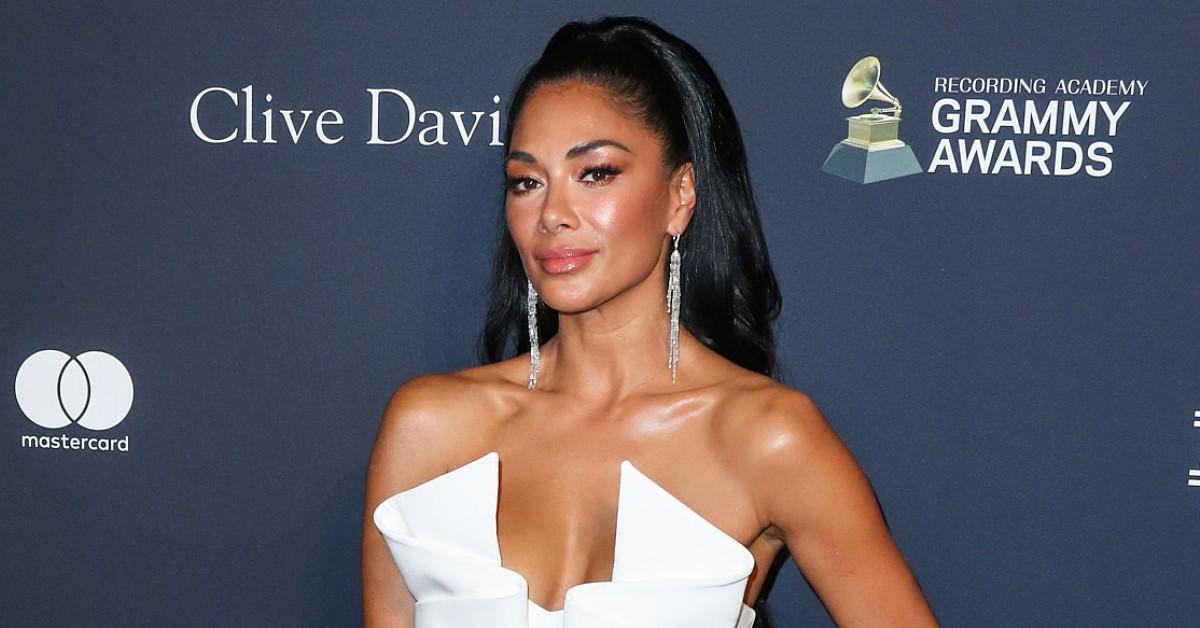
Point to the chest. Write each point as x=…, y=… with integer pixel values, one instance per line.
x=558, y=502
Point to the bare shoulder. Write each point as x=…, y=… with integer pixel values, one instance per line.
x=432, y=423
x=763, y=419
x=424, y=406
x=784, y=444
x=433, y=403
x=812, y=493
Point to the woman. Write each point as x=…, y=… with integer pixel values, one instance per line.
x=633, y=277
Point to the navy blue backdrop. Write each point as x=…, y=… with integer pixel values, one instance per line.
x=1014, y=358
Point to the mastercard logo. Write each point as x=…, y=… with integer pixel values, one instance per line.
x=92, y=390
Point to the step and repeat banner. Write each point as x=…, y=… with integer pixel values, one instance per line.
x=230, y=230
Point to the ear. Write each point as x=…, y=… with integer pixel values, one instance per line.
x=683, y=198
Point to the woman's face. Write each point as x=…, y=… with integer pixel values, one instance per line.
x=589, y=202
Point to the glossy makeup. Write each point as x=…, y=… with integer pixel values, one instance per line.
x=588, y=200
x=559, y=261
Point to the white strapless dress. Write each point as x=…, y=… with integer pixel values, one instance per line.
x=671, y=567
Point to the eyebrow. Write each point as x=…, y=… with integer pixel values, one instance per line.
x=575, y=151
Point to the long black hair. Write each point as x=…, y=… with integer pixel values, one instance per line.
x=730, y=297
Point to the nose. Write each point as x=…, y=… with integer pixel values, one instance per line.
x=557, y=212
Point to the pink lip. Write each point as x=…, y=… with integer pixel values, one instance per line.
x=556, y=262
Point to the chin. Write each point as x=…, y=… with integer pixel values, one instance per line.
x=568, y=300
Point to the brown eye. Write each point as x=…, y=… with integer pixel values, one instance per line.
x=599, y=174
x=520, y=185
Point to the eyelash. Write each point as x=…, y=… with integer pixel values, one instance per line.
x=607, y=171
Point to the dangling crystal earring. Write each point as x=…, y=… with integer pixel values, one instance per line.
x=535, y=357
x=673, y=294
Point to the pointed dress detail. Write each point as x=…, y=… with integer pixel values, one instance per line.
x=671, y=567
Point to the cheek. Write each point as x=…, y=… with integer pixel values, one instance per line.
x=631, y=222
x=521, y=221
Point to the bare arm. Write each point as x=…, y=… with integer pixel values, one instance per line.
x=408, y=450
x=818, y=497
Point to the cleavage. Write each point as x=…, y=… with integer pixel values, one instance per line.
x=556, y=533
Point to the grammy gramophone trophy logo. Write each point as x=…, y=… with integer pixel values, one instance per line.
x=872, y=150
